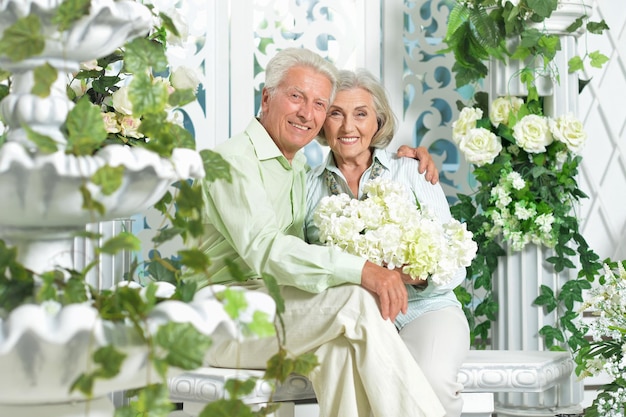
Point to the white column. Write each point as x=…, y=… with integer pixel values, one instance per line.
x=520, y=275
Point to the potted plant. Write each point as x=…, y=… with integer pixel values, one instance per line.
x=68, y=159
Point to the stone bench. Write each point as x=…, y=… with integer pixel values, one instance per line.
x=484, y=374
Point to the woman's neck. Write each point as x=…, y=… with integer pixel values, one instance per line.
x=352, y=170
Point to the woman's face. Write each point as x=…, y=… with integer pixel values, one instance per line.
x=350, y=125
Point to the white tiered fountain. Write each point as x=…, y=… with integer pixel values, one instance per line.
x=42, y=353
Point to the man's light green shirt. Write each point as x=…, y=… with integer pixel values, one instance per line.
x=257, y=220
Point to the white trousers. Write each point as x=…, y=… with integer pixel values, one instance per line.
x=365, y=368
x=439, y=341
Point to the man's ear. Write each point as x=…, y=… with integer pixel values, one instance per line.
x=265, y=98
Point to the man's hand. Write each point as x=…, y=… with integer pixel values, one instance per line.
x=389, y=288
x=426, y=161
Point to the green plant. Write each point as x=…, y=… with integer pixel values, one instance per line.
x=128, y=98
x=605, y=352
x=525, y=165
x=478, y=30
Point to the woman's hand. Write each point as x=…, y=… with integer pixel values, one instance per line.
x=426, y=161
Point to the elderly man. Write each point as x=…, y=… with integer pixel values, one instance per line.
x=337, y=305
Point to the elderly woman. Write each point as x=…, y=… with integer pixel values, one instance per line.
x=358, y=127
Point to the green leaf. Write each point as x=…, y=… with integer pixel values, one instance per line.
x=575, y=25
x=85, y=128
x=102, y=83
x=575, y=64
x=226, y=408
x=150, y=401
x=543, y=8
x=142, y=54
x=546, y=298
x=305, y=363
x=110, y=359
x=44, y=143
x=69, y=11
x=279, y=366
x=597, y=27
x=88, y=201
x=261, y=325
x=4, y=91
x=181, y=97
x=234, y=302
x=147, y=95
x=122, y=241
x=168, y=23
x=273, y=290
x=194, y=259
x=598, y=59
x=45, y=75
x=23, y=39
x=184, y=344
x=239, y=388
x=551, y=334
x=75, y=289
x=109, y=178
x=215, y=166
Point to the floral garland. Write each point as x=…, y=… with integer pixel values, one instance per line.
x=387, y=228
x=529, y=193
x=526, y=165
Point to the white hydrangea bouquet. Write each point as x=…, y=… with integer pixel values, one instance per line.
x=526, y=165
x=605, y=353
x=390, y=228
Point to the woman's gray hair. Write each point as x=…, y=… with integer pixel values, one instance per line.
x=278, y=67
x=361, y=78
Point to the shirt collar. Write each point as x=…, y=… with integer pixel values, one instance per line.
x=266, y=148
x=380, y=154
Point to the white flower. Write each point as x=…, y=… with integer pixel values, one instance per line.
x=90, y=65
x=569, y=130
x=110, y=122
x=129, y=127
x=532, y=133
x=516, y=180
x=501, y=109
x=544, y=221
x=466, y=121
x=480, y=146
x=120, y=101
x=388, y=229
x=522, y=212
x=185, y=78
x=181, y=26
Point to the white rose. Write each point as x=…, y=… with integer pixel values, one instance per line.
x=480, y=146
x=79, y=87
x=569, y=130
x=181, y=26
x=120, y=101
x=502, y=107
x=466, y=121
x=532, y=133
x=129, y=127
x=110, y=122
x=185, y=78
x=90, y=65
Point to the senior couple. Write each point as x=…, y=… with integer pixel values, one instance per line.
x=386, y=347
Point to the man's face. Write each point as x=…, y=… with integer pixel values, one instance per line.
x=295, y=113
